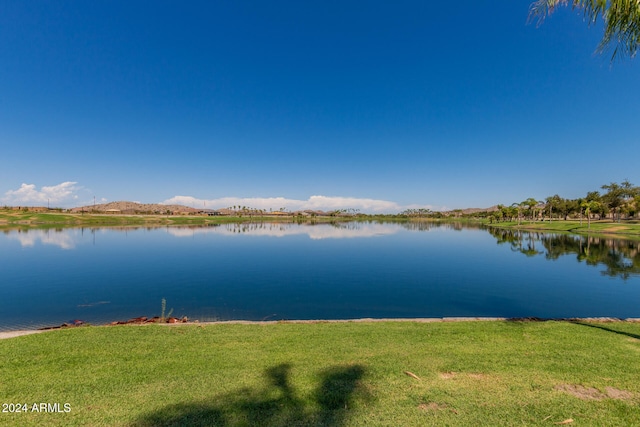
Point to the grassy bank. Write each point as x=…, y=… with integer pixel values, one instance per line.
x=11, y=219
x=596, y=227
x=335, y=374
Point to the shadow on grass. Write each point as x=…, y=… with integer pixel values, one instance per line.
x=604, y=328
x=275, y=405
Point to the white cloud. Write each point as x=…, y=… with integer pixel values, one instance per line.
x=318, y=202
x=55, y=195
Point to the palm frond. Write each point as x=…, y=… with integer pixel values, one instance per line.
x=621, y=19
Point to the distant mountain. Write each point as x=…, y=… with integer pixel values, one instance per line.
x=470, y=211
x=126, y=207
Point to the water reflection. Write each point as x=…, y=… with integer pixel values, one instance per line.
x=69, y=238
x=431, y=225
x=312, y=271
x=315, y=231
x=621, y=258
x=337, y=230
x=63, y=239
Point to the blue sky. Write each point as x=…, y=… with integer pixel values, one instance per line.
x=371, y=105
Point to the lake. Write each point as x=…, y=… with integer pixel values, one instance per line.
x=269, y=271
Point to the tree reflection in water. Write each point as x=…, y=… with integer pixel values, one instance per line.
x=620, y=257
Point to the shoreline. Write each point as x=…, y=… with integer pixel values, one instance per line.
x=18, y=333
x=17, y=220
x=606, y=228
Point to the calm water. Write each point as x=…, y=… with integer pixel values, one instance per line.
x=290, y=271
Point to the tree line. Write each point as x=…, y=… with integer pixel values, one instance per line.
x=618, y=202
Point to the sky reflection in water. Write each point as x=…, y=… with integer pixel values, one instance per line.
x=327, y=271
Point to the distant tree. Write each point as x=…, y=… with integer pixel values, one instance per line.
x=589, y=205
x=562, y=206
x=518, y=207
x=423, y=212
x=531, y=203
x=593, y=196
x=578, y=207
x=512, y=212
x=636, y=205
x=554, y=204
x=629, y=191
x=598, y=207
x=629, y=195
x=621, y=21
x=502, y=213
x=613, y=198
x=573, y=206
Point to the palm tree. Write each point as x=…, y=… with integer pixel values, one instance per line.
x=531, y=203
x=518, y=206
x=621, y=21
x=511, y=212
x=580, y=204
x=589, y=205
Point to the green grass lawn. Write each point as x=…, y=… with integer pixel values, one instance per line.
x=334, y=374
